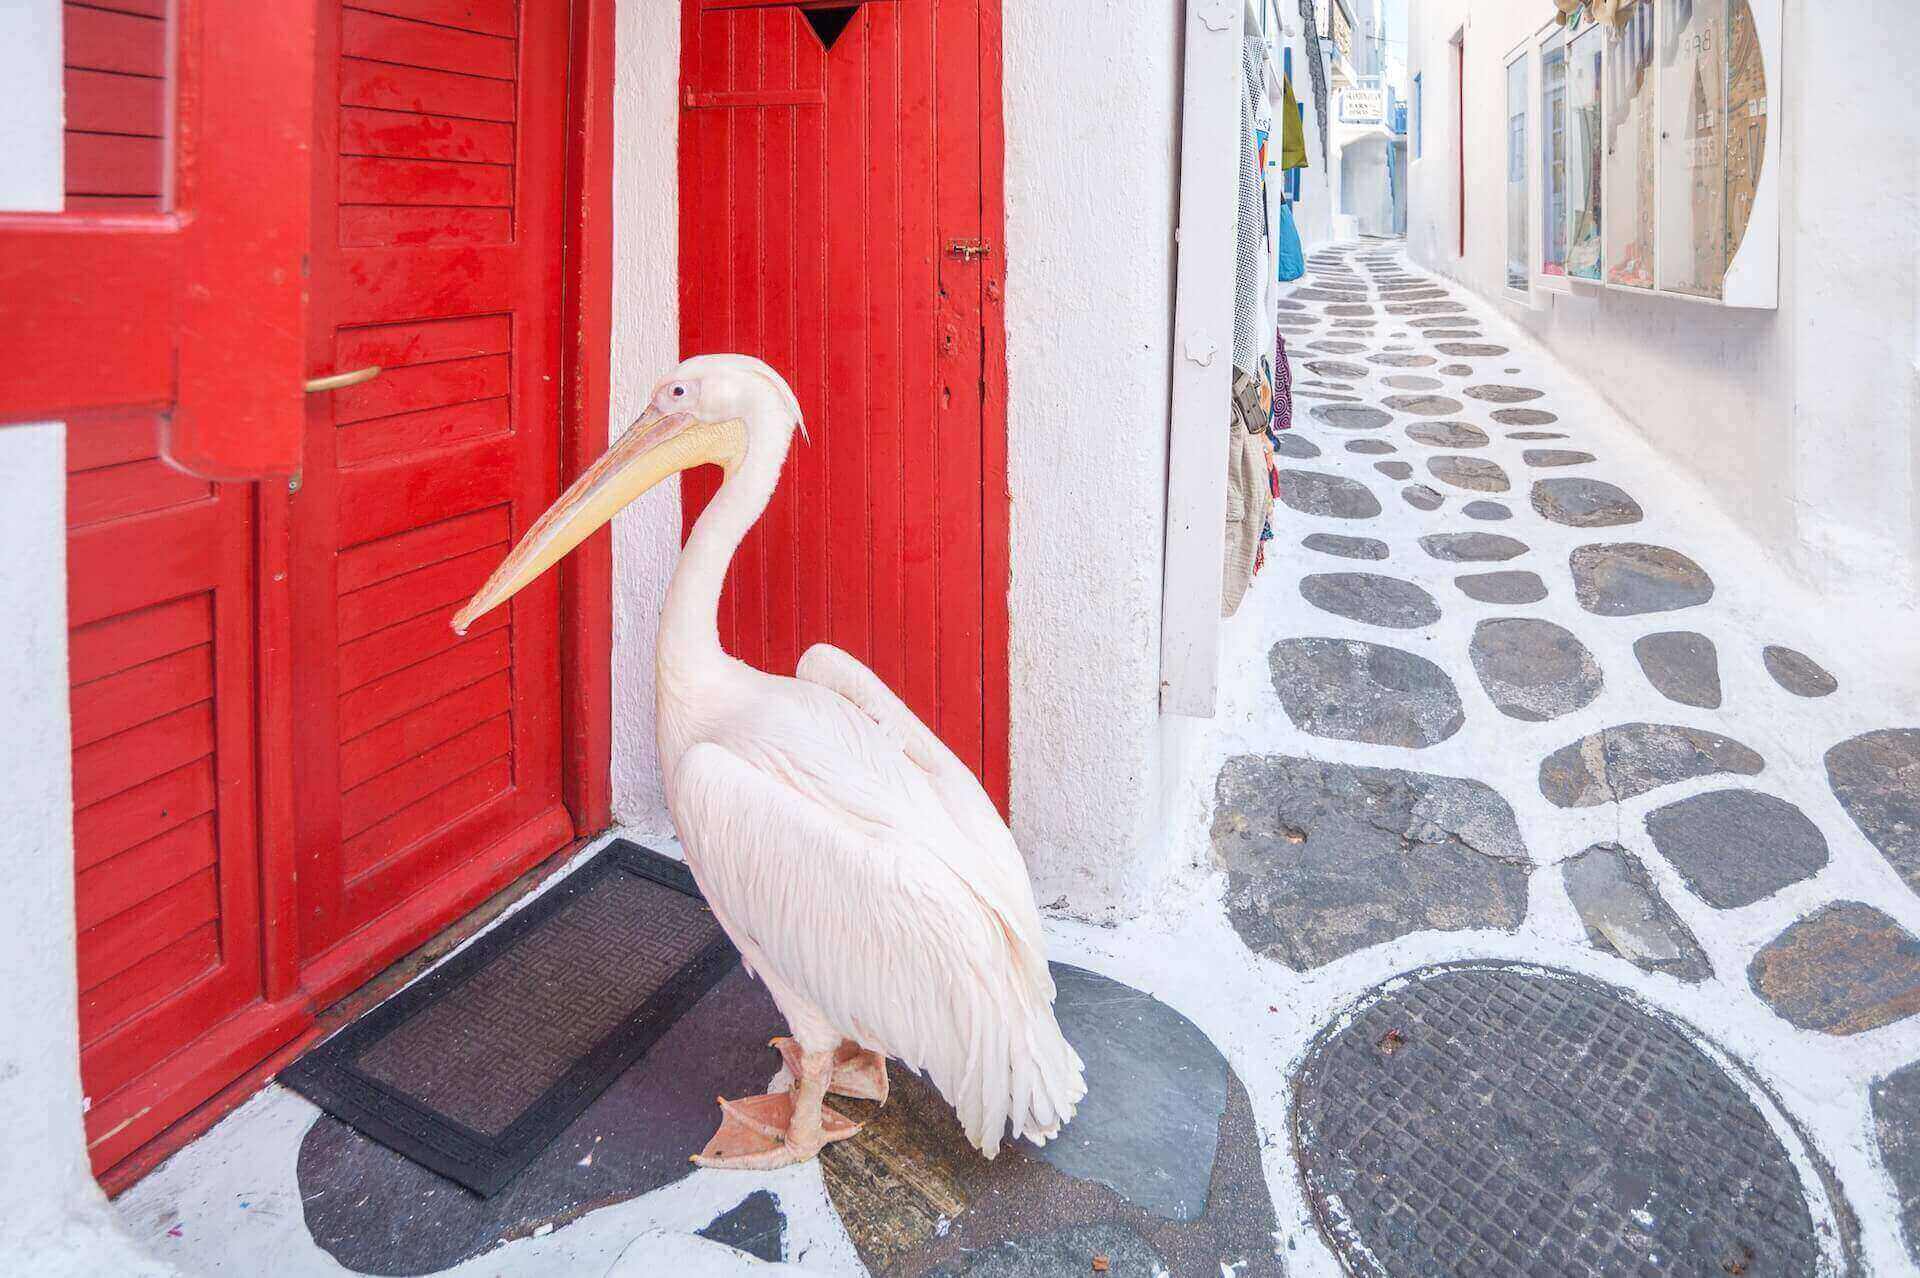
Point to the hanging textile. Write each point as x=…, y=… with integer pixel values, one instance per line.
x=1250, y=477
x=1249, y=455
x=1282, y=386
x=1293, y=134
x=1288, y=255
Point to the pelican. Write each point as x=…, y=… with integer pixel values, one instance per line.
x=861, y=870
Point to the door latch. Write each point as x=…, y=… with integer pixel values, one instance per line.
x=969, y=250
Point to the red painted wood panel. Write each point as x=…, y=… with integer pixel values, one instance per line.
x=112, y=102
x=110, y=826
x=377, y=561
x=823, y=250
x=100, y=39
x=413, y=135
x=185, y=629
x=382, y=437
x=422, y=44
x=494, y=17
x=107, y=647
x=167, y=890
x=157, y=864
x=416, y=746
x=442, y=93
x=421, y=728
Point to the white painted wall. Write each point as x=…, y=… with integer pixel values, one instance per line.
x=646, y=346
x=32, y=149
x=1801, y=422
x=1092, y=111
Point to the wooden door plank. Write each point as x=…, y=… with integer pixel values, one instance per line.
x=441, y=93
x=122, y=761
x=377, y=561
x=399, y=599
x=119, y=643
x=109, y=948
x=385, y=700
x=492, y=17
x=110, y=826
x=421, y=729
x=410, y=135
x=149, y=867
x=399, y=646
x=381, y=38
x=115, y=102
x=374, y=801
x=142, y=693
x=104, y=40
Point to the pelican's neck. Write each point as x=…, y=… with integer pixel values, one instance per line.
x=690, y=621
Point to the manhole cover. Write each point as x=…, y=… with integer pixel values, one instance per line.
x=1496, y=1120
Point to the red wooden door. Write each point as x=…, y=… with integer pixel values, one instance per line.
x=105, y=334
x=286, y=770
x=840, y=217
x=424, y=762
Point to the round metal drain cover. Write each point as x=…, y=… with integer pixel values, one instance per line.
x=1495, y=1120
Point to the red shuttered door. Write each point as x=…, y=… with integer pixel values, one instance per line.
x=840, y=217
x=423, y=761
x=287, y=770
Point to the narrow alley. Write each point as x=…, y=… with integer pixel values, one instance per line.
x=1535, y=810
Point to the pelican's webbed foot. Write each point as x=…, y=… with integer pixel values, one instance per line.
x=779, y=1129
x=858, y=1073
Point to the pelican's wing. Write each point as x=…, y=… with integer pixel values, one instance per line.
x=958, y=790
x=835, y=668
x=884, y=937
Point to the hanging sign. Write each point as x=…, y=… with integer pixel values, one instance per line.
x=1363, y=106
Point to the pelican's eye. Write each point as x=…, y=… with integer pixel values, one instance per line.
x=679, y=392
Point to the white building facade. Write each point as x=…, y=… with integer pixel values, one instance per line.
x=1707, y=208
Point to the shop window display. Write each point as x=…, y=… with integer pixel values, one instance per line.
x=1553, y=155
x=1518, y=253
x=1653, y=142
x=1583, y=147
x=1632, y=139
x=1693, y=252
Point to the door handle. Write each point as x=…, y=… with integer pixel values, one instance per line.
x=334, y=381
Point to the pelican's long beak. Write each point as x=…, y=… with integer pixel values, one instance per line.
x=656, y=446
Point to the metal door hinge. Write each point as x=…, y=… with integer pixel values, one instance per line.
x=969, y=250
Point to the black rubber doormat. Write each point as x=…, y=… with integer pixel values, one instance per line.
x=472, y=1070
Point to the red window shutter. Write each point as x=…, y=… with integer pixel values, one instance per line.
x=194, y=313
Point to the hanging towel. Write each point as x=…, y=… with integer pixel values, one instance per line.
x=1288, y=254
x=1249, y=266
x=1249, y=491
x=1293, y=133
x=1282, y=386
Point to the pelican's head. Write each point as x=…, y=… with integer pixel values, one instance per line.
x=726, y=410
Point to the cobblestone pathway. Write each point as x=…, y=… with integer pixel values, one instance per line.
x=1519, y=678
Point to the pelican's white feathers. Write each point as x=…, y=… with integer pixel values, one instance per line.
x=865, y=874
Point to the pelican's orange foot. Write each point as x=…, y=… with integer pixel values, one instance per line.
x=758, y=1133
x=857, y=1073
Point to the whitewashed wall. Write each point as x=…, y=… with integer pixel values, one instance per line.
x=646, y=345
x=1092, y=105
x=1802, y=422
